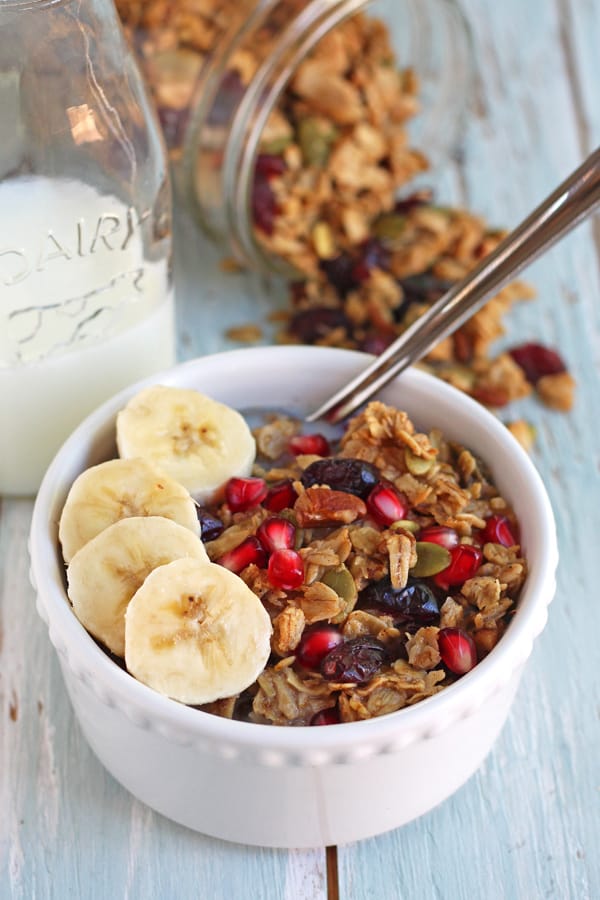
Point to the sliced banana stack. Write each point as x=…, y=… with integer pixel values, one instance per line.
x=117, y=489
x=196, y=633
x=199, y=442
x=106, y=572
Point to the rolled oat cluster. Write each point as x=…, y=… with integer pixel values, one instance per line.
x=331, y=194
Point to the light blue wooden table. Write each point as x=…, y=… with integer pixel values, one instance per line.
x=527, y=826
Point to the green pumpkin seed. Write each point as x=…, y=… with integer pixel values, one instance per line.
x=431, y=559
x=417, y=465
x=316, y=138
x=341, y=581
x=405, y=525
x=389, y=227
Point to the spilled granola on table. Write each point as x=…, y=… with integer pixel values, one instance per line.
x=388, y=562
x=332, y=196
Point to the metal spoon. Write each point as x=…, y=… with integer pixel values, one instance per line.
x=569, y=204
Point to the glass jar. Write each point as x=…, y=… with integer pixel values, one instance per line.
x=226, y=74
x=86, y=302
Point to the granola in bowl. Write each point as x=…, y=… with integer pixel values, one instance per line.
x=211, y=772
x=393, y=566
x=329, y=579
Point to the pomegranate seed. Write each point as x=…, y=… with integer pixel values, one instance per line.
x=464, y=563
x=281, y=495
x=248, y=552
x=276, y=533
x=316, y=643
x=243, y=493
x=310, y=444
x=537, y=361
x=439, y=534
x=326, y=717
x=286, y=569
x=457, y=649
x=498, y=531
x=386, y=505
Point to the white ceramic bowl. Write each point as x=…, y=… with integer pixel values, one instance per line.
x=295, y=787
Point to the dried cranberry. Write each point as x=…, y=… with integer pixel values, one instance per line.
x=250, y=551
x=310, y=444
x=375, y=343
x=537, y=361
x=269, y=165
x=276, y=533
x=316, y=643
x=281, y=495
x=439, y=534
x=353, y=476
x=244, y=493
x=285, y=569
x=465, y=561
x=310, y=325
x=210, y=526
x=264, y=206
x=385, y=504
x=498, y=530
x=355, y=661
x=326, y=717
x=339, y=272
x=411, y=606
x=372, y=255
x=457, y=649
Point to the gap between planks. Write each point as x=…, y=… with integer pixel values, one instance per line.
x=333, y=884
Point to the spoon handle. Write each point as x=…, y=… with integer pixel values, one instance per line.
x=569, y=204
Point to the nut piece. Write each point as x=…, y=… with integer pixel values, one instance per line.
x=557, y=390
x=318, y=505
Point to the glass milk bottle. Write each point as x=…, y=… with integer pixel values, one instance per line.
x=86, y=302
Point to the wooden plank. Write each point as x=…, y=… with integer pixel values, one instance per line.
x=67, y=829
x=528, y=824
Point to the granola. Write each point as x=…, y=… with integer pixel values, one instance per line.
x=332, y=196
x=409, y=574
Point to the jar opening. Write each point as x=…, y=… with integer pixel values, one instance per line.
x=236, y=109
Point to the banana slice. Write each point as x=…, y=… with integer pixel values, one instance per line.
x=196, y=632
x=199, y=442
x=105, y=574
x=117, y=489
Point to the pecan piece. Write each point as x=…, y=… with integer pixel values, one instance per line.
x=320, y=505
